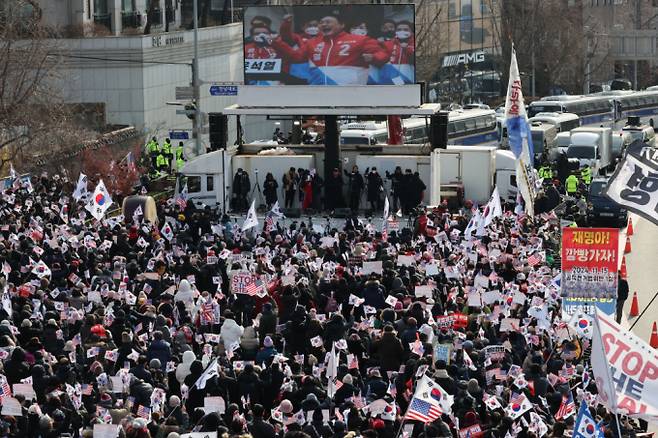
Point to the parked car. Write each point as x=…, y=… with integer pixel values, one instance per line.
x=600, y=208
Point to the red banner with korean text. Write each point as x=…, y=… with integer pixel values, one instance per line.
x=589, y=269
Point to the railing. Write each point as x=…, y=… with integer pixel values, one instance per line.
x=130, y=19
x=103, y=20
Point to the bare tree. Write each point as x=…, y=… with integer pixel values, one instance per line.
x=430, y=39
x=559, y=51
x=33, y=115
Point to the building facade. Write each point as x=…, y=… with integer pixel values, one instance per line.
x=622, y=40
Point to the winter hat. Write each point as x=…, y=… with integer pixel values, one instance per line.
x=174, y=401
x=267, y=342
x=285, y=406
x=473, y=386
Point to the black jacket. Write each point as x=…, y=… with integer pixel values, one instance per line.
x=622, y=289
x=261, y=429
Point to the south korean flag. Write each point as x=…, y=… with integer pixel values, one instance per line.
x=100, y=201
x=167, y=232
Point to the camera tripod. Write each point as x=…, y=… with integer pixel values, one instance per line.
x=254, y=189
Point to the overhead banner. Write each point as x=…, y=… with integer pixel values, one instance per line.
x=330, y=45
x=634, y=184
x=589, y=269
x=625, y=370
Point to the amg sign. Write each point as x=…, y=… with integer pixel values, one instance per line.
x=463, y=58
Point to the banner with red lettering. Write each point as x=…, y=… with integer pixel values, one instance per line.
x=589, y=270
x=625, y=370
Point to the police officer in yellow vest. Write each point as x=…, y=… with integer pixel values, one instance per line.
x=571, y=184
x=166, y=150
x=178, y=156
x=586, y=174
x=153, y=149
x=163, y=162
x=545, y=172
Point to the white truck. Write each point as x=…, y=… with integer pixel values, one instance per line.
x=591, y=146
x=505, y=178
x=463, y=171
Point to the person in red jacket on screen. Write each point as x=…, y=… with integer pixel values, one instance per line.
x=310, y=30
x=335, y=57
x=401, y=51
x=260, y=47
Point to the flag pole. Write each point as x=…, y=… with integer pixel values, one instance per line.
x=607, y=371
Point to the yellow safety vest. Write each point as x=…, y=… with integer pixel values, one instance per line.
x=161, y=160
x=572, y=184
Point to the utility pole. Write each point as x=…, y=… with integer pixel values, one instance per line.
x=195, y=83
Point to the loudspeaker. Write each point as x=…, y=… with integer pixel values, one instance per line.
x=292, y=212
x=439, y=130
x=218, y=130
x=342, y=213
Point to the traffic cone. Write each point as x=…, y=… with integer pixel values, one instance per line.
x=654, y=336
x=622, y=270
x=635, y=307
x=627, y=249
x=629, y=228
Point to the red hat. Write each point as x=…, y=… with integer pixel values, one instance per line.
x=99, y=330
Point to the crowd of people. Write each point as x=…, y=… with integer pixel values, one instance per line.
x=307, y=190
x=120, y=327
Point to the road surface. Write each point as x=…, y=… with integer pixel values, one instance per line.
x=642, y=267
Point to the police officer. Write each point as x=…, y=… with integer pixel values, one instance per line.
x=162, y=162
x=153, y=149
x=178, y=156
x=571, y=184
x=166, y=150
x=545, y=172
x=586, y=174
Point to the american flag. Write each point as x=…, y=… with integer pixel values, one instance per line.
x=535, y=259
x=144, y=412
x=86, y=389
x=254, y=287
x=5, y=389
x=207, y=312
x=269, y=223
x=567, y=407
x=422, y=411
x=181, y=202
